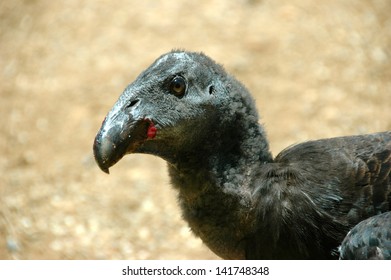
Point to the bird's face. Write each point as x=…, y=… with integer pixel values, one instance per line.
x=167, y=109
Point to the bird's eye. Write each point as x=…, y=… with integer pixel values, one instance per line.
x=178, y=86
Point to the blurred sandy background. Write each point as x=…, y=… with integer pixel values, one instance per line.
x=316, y=68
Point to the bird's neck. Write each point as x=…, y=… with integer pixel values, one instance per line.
x=224, y=162
x=215, y=190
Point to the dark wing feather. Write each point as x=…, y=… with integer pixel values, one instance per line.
x=369, y=240
x=315, y=192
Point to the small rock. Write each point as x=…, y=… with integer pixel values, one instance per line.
x=12, y=244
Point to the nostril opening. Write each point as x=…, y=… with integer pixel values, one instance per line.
x=132, y=103
x=211, y=89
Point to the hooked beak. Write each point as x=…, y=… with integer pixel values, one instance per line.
x=120, y=134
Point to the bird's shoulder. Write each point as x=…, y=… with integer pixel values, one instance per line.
x=354, y=171
x=363, y=147
x=363, y=159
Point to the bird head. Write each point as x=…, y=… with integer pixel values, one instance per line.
x=176, y=106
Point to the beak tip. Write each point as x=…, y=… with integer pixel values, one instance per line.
x=100, y=159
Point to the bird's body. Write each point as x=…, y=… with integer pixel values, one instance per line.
x=239, y=200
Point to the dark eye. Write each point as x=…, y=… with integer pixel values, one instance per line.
x=178, y=86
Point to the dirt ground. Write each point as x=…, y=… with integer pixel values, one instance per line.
x=316, y=68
